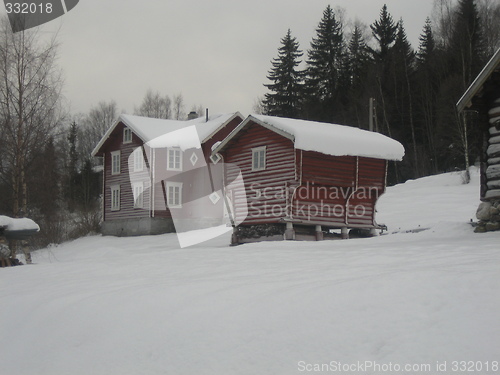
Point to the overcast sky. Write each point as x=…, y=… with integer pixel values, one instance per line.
x=215, y=52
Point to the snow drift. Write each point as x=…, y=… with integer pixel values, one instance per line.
x=106, y=305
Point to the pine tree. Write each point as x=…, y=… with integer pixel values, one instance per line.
x=326, y=68
x=287, y=80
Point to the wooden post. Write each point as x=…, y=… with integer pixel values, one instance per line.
x=26, y=251
x=234, y=237
x=345, y=233
x=289, y=232
x=319, y=233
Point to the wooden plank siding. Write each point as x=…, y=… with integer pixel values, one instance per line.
x=265, y=189
x=122, y=179
x=303, y=187
x=338, y=190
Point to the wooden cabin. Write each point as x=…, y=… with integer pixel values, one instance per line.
x=154, y=171
x=483, y=97
x=304, y=179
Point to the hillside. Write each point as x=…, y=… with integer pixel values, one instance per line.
x=105, y=305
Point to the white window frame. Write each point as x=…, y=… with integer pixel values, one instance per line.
x=115, y=198
x=127, y=135
x=174, y=185
x=138, y=159
x=261, y=164
x=175, y=166
x=138, y=192
x=115, y=168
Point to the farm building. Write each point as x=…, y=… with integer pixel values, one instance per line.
x=304, y=179
x=483, y=97
x=156, y=171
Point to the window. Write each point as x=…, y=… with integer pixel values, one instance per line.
x=127, y=135
x=259, y=158
x=115, y=198
x=115, y=162
x=174, y=159
x=138, y=191
x=174, y=194
x=138, y=159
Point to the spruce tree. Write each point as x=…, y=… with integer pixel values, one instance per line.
x=287, y=81
x=358, y=57
x=385, y=31
x=427, y=44
x=326, y=69
x=404, y=80
x=358, y=62
x=72, y=167
x=427, y=86
x=467, y=42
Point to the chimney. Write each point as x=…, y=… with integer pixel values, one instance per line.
x=192, y=115
x=206, y=115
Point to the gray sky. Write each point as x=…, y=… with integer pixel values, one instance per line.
x=216, y=53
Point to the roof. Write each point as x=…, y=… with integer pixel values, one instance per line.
x=149, y=129
x=330, y=139
x=476, y=86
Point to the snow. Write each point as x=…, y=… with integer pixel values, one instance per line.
x=18, y=224
x=140, y=305
x=184, y=138
x=149, y=128
x=156, y=130
x=337, y=140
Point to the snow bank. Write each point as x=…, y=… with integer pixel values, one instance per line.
x=337, y=140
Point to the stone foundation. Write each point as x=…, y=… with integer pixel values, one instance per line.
x=488, y=214
x=137, y=227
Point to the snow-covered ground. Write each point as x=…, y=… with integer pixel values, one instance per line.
x=400, y=302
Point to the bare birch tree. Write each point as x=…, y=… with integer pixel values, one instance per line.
x=178, y=107
x=156, y=106
x=30, y=110
x=94, y=125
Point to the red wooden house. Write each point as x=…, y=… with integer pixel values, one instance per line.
x=303, y=179
x=155, y=169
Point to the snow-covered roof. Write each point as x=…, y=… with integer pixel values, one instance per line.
x=149, y=129
x=11, y=224
x=329, y=139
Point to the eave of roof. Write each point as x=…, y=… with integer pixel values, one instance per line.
x=245, y=122
x=475, y=87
